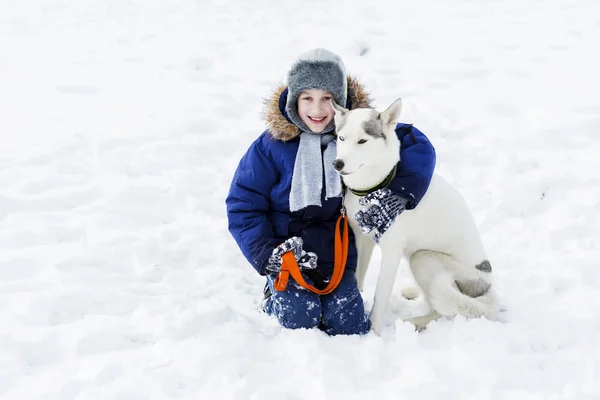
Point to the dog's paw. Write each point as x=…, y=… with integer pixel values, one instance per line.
x=411, y=292
x=421, y=322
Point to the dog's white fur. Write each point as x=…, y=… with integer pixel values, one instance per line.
x=439, y=237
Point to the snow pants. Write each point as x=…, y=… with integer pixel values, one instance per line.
x=339, y=313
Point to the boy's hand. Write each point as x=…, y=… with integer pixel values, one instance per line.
x=294, y=244
x=381, y=208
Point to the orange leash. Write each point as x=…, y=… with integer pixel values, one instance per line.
x=289, y=265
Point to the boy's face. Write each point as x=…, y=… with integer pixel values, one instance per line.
x=314, y=108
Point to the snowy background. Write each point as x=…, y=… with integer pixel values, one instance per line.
x=121, y=123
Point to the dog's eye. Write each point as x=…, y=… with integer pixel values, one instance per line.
x=341, y=138
x=362, y=141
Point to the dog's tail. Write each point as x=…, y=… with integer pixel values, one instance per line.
x=447, y=299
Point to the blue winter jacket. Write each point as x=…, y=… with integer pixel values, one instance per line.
x=258, y=201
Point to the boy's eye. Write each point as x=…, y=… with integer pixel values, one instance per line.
x=362, y=141
x=327, y=98
x=307, y=98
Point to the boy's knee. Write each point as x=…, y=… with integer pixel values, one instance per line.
x=299, y=321
x=350, y=319
x=297, y=313
x=344, y=311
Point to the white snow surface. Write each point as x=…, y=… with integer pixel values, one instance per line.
x=121, y=123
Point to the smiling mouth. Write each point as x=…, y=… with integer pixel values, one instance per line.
x=317, y=120
x=350, y=173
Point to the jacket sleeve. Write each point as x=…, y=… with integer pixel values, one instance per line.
x=248, y=204
x=415, y=169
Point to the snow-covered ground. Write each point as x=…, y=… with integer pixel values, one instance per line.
x=121, y=123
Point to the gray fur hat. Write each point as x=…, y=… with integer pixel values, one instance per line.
x=316, y=69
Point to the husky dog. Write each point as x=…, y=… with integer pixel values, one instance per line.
x=438, y=237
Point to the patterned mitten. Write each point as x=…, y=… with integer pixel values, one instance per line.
x=294, y=244
x=380, y=210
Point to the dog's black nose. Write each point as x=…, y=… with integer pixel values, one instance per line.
x=338, y=165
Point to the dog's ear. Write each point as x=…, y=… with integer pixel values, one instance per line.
x=339, y=113
x=337, y=109
x=392, y=114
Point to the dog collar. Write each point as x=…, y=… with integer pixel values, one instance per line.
x=384, y=183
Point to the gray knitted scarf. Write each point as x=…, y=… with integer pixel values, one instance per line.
x=307, y=181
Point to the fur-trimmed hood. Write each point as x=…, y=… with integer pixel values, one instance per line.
x=282, y=129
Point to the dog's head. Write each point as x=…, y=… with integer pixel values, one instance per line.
x=366, y=141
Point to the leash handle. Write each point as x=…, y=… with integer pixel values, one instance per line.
x=289, y=265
